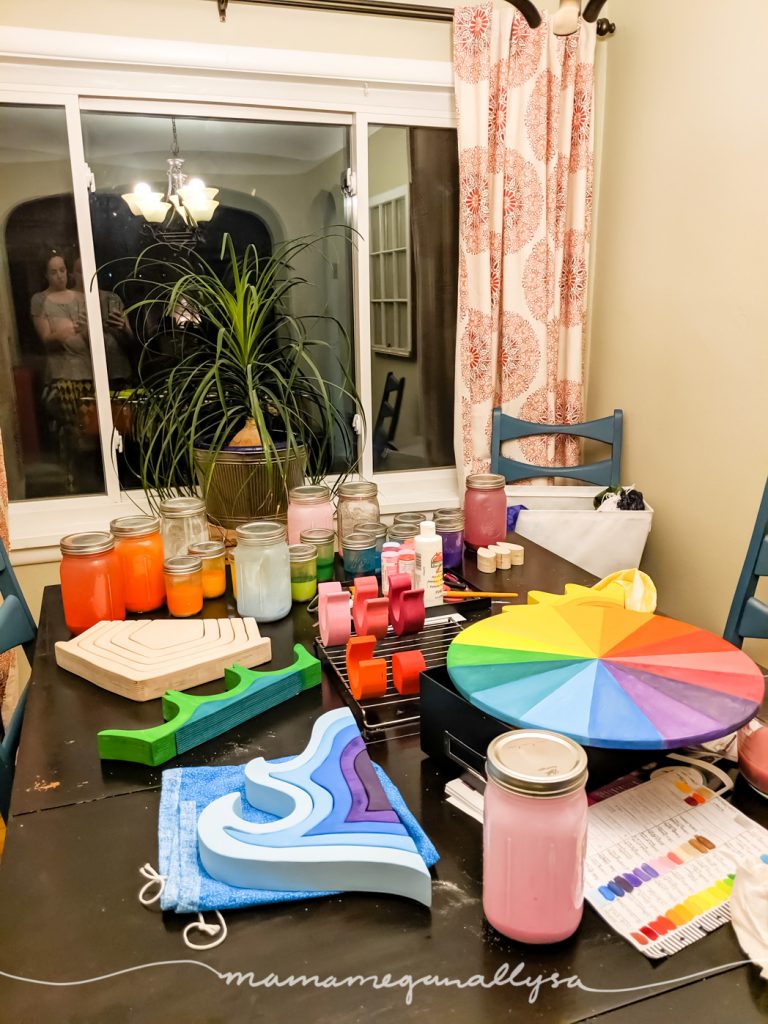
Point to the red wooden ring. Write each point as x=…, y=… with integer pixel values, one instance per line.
x=375, y=617
x=366, y=591
x=333, y=614
x=367, y=675
x=406, y=606
x=407, y=667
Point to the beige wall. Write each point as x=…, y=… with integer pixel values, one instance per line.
x=680, y=326
x=269, y=27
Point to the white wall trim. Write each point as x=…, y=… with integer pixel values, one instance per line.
x=48, y=45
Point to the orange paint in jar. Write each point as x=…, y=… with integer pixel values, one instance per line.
x=212, y=553
x=139, y=548
x=91, y=580
x=184, y=585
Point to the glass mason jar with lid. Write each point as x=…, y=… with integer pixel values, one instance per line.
x=309, y=508
x=184, y=585
x=184, y=522
x=139, y=549
x=91, y=580
x=534, y=835
x=263, y=569
x=358, y=503
x=485, y=509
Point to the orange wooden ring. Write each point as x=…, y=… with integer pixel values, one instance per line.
x=407, y=667
x=367, y=675
x=406, y=606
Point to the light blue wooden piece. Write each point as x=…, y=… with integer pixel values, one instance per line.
x=748, y=616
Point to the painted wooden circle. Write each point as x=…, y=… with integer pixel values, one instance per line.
x=605, y=676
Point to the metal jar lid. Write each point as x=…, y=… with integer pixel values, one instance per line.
x=318, y=535
x=302, y=553
x=377, y=530
x=485, y=481
x=534, y=762
x=402, y=531
x=134, y=526
x=358, y=489
x=182, y=565
x=359, y=542
x=309, y=494
x=410, y=517
x=86, y=543
x=260, y=534
x=207, y=548
x=179, y=508
x=449, y=520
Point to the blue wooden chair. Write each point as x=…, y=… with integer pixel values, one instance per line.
x=17, y=629
x=605, y=473
x=748, y=616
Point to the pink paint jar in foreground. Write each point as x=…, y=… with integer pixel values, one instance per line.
x=485, y=509
x=534, y=835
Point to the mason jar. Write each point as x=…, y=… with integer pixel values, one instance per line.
x=184, y=522
x=139, y=548
x=534, y=835
x=91, y=580
x=485, y=509
x=263, y=568
x=449, y=524
x=309, y=508
x=358, y=503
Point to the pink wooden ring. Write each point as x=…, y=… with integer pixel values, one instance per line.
x=367, y=675
x=333, y=614
x=407, y=667
x=366, y=589
x=406, y=606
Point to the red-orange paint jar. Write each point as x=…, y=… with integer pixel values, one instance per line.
x=139, y=548
x=91, y=580
x=184, y=585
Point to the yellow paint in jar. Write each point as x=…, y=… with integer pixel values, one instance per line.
x=213, y=555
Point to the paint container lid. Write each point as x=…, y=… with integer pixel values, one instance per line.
x=358, y=489
x=359, y=542
x=410, y=517
x=180, y=508
x=302, y=553
x=485, y=481
x=134, y=526
x=207, y=548
x=533, y=762
x=182, y=565
x=309, y=494
x=260, y=534
x=86, y=543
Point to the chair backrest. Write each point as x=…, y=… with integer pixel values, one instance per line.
x=17, y=627
x=748, y=616
x=606, y=473
x=391, y=403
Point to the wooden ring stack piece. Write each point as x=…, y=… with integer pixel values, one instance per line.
x=486, y=560
x=370, y=613
x=367, y=675
x=502, y=554
x=407, y=667
x=333, y=614
x=406, y=606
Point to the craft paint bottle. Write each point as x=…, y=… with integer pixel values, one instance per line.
x=429, y=564
x=485, y=510
x=184, y=585
x=534, y=835
x=390, y=558
x=406, y=562
x=213, y=555
x=309, y=508
x=263, y=569
x=91, y=580
x=139, y=548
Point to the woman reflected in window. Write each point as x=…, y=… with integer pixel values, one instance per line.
x=59, y=318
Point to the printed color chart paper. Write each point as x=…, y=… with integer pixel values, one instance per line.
x=661, y=859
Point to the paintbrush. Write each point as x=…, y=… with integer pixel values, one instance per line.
x=469, y=594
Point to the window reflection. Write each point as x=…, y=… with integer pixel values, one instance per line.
x=413, y=199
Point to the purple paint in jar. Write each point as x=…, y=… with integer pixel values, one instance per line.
x=449, y=524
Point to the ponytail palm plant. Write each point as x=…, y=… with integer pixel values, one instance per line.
x=226, y=359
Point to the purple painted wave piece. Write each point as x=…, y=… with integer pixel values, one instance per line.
x=377, y=806
x=681, y=712
x=356, y=755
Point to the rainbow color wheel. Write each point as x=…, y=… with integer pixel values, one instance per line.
x=605, y=676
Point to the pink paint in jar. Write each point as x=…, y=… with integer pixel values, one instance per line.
x=309, y=508
x=534, y=835
x=485, y=509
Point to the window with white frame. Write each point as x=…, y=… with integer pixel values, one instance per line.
x=390, y=273
x=69, y=352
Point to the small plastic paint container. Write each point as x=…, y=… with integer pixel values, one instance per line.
x=390, y=558
x=534, y=835
x=184, y=585
x=213, y=555
x=325, y=542
x=303, y=571
x=406, y=563
x=359, y=554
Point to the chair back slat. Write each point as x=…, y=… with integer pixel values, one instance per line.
x=748, y=616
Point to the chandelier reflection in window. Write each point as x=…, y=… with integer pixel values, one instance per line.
x=186, y=205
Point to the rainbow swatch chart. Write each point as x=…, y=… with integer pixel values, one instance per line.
x=605, y=676
x=660, y=865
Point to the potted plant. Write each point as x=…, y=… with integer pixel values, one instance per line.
x=231, y=396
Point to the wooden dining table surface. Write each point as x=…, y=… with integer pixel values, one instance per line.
x=77, y=946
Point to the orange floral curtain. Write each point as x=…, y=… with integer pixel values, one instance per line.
x=525, y=99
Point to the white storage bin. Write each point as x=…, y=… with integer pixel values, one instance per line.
x=563, y=520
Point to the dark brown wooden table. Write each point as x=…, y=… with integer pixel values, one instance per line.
x=80, y=829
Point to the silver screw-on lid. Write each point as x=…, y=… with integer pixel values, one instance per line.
x=260, y=534
x=182, y=565
x=358, y=489
x=179, y=508
x=134, y=526
x=485, y=481
x=309, y=494
x=86, y=543
x=534, y=762
x=207, y=548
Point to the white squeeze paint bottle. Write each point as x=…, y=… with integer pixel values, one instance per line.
x=429, y=564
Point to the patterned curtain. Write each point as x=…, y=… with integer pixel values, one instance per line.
x=7, y=660
x=524, y=98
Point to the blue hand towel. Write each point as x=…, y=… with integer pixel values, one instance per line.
x=513, y=511
x=189, y=887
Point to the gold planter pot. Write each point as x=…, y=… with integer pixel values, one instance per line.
x=243, y=488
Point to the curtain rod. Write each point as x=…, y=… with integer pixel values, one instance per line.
x=389, y=8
